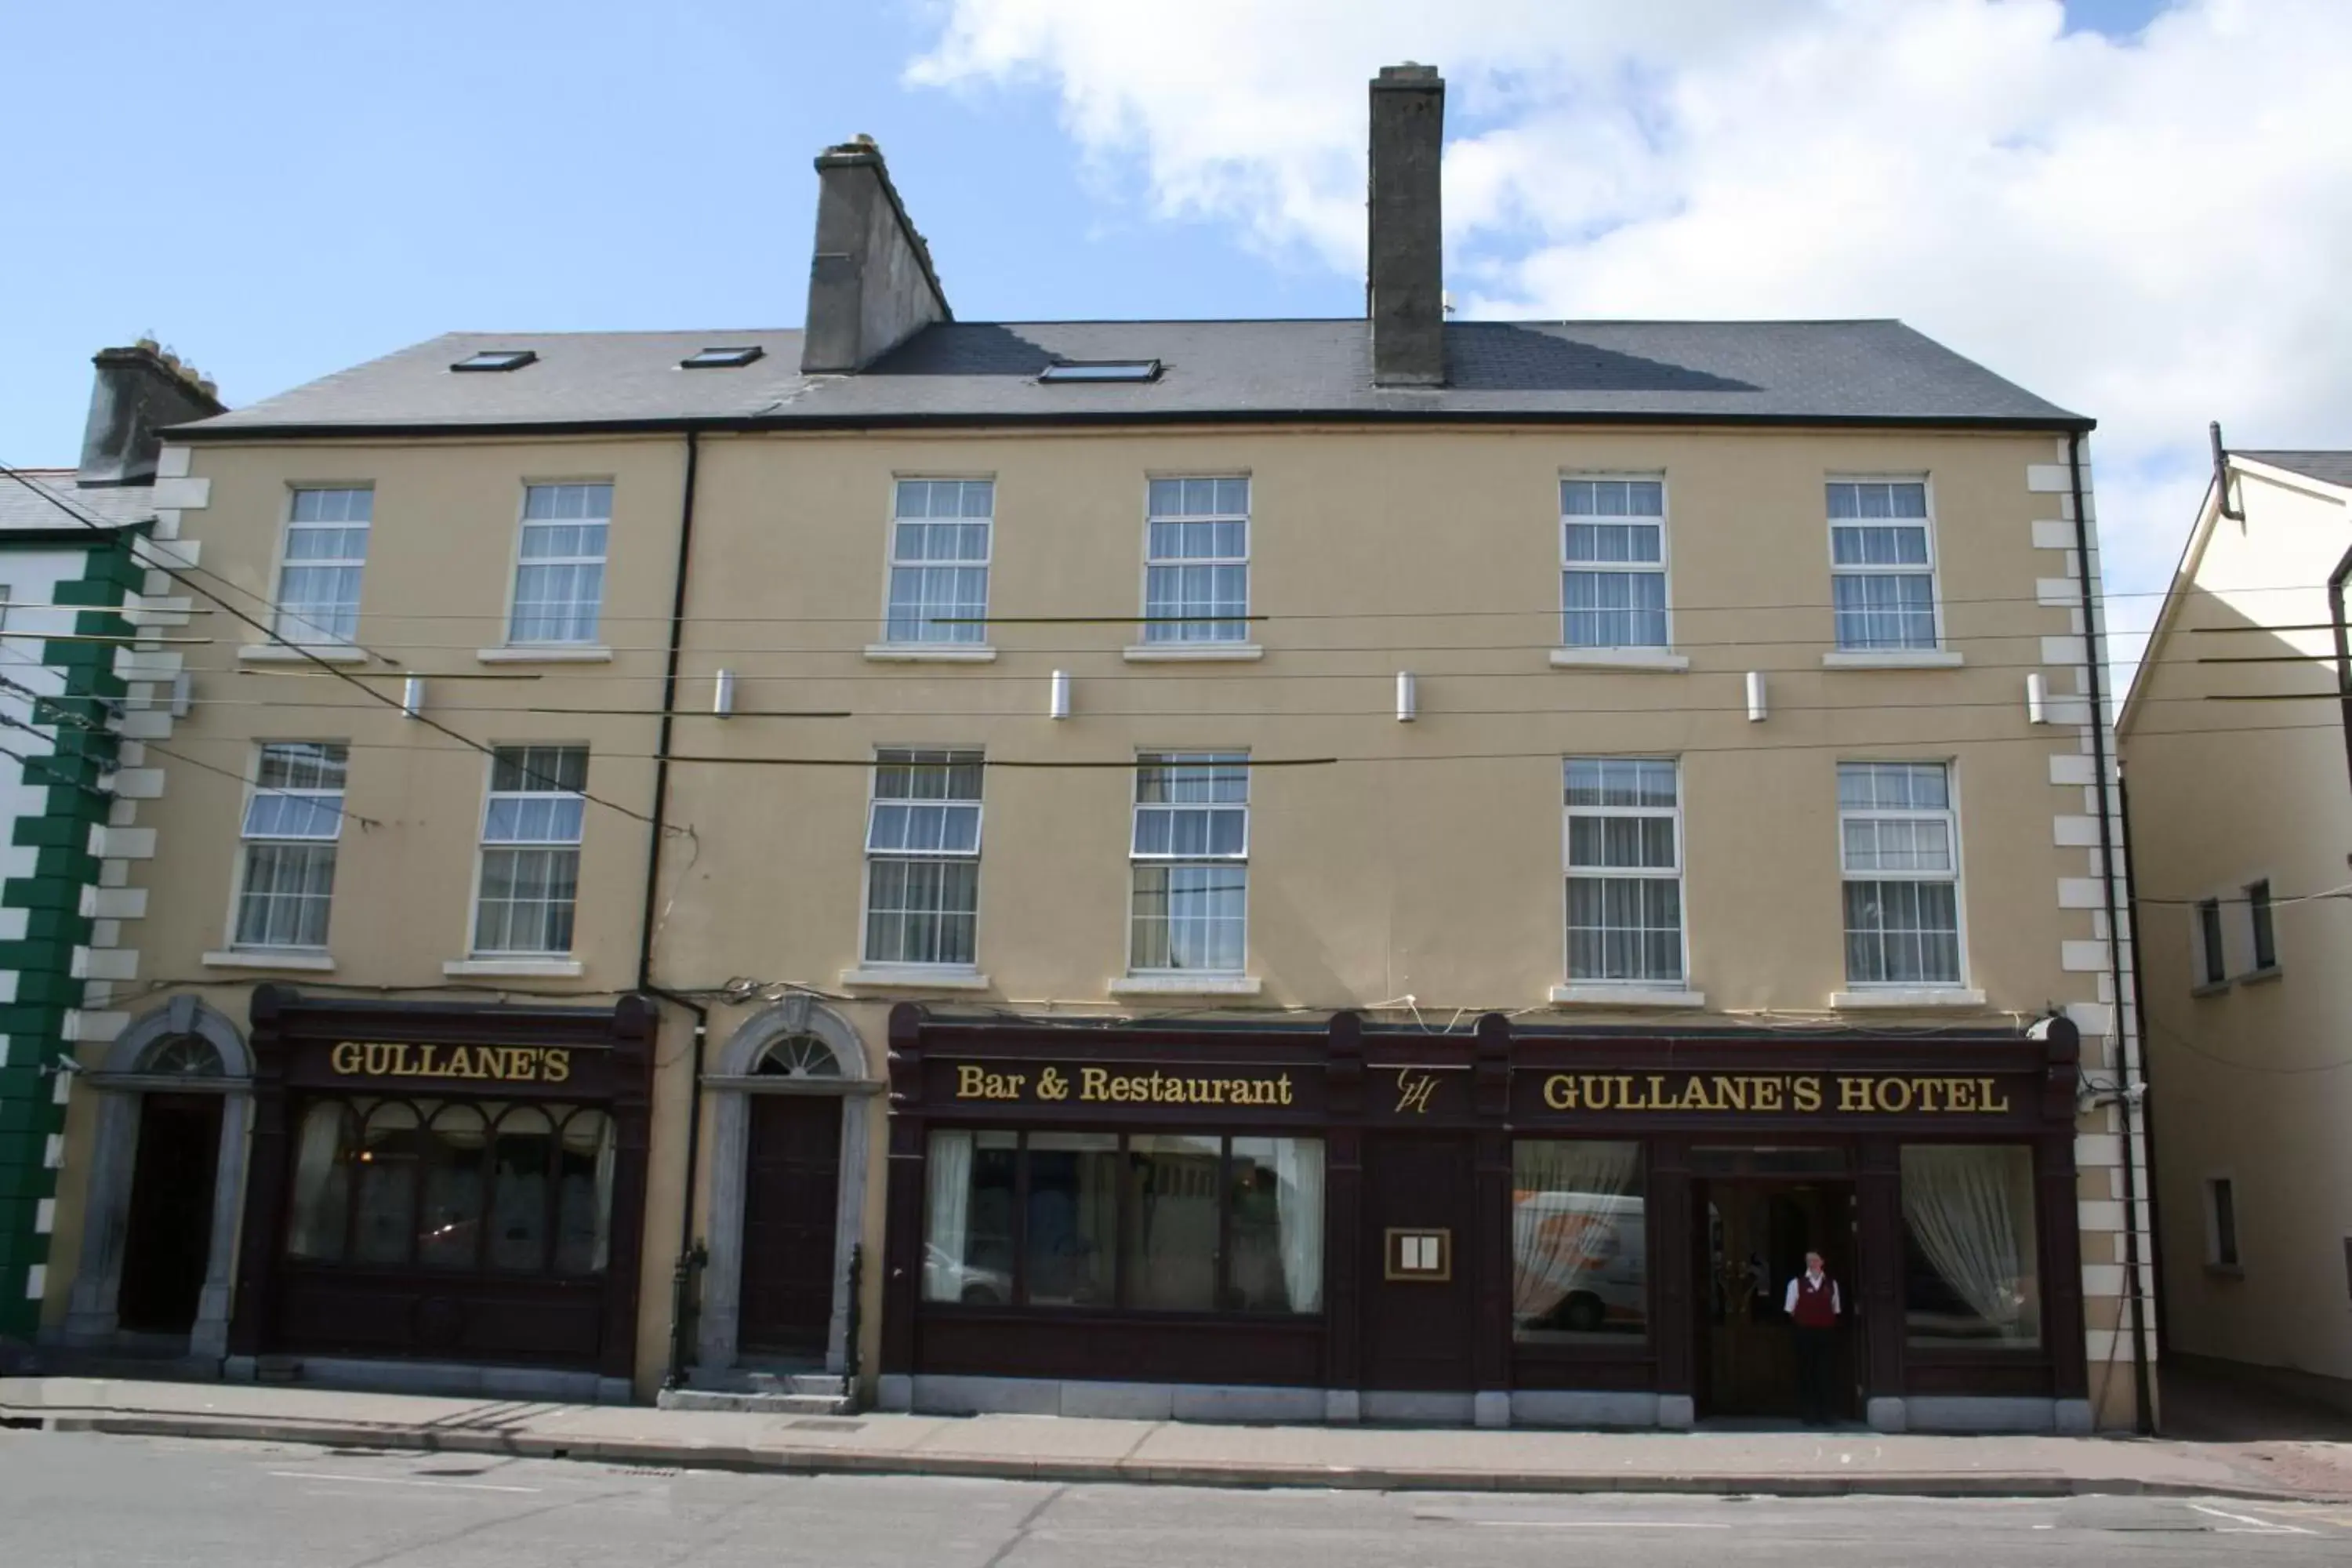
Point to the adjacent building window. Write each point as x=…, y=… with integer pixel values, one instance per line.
x=1899, y=844
x=2221, y=1223
x=1625, y=871
x=1196, y=571
x=325, y=550
x=291, y=823
x=1151, y=1222
x=560, y=585
x=923, y=858
x=2258, y=916
x=2212, y=958
x=1613, y=586
x=1882, y=564
x=478, y=1187
x=1970, y=1268
x=1191, y=859
x=940, y=535
x=1579, y=1243
x=530, y=850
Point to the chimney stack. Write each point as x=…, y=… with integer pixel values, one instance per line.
x=139, y=391
x=871, y=286
x=1405, y=271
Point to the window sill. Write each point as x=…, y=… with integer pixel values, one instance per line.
x=1624, y=997
x=1894, y=659
x=1186, y=985
x=929, y=653
x=545, y=653
x=312, y=963
x=301, y=653
x=1193, y=653
x=1905, y=997
x=945, y=977
x=2261, y=976
x=514, y=968
x=2211, y=988
x=1660, y=659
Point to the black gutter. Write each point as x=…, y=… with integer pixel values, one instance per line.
x=2143, y=1415
x=2148, y=1113
x=689, y=1250
x=859, y=423
x=2335, y=580
x=2222, y=474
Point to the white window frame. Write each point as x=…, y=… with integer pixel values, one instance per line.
x=1663, y=570
x=484, y=844
x=1138, y=859
x=2209, y=950
x=289, y=625
x=2255, y=968
x=1160, y=635
x=960, y=636
x=947, y=756
x=1932, y=571
x=1957, y=876
x=248, y=841
x=1569, y=871
x=602, y=562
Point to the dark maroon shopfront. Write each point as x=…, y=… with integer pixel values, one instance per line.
x=1524, y=1224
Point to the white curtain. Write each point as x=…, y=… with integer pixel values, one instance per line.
x=1298, y=1172
x=950, y=1215
x=1970, y=1209
x=605, y=1150
x=1569, y=1216
x=320, y=1186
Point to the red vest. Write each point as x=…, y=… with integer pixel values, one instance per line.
x=1816, y=1304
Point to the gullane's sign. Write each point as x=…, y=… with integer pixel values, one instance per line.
x=1777, y=1094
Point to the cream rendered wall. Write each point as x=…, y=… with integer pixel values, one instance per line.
x=2252, y=1081
x=1425, y=861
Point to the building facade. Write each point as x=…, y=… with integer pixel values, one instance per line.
x=2236, y=744
x=74, y=782
x=1345, y=869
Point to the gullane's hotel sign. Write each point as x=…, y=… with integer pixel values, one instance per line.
x=1776, y=1093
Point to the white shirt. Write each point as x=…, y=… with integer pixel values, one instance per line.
x=1790, y=1306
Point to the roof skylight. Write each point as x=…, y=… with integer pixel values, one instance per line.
x=722, y=359
x=1102, y=370
x=497, y=359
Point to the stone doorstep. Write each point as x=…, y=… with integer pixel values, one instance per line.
x=776, y=1403
x=813, y=1460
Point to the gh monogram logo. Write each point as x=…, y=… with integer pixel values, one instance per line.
x=1414, y=1090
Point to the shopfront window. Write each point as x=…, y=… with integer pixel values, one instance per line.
x=466, y=1186
x=1151, y=1222
x=1579, y=1243
x=1969, y=1270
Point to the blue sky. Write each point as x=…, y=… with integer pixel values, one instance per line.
x=280, y=190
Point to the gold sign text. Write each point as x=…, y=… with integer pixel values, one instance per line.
x=1103, y=1086
x=1771, y=1093
x=502, y=1064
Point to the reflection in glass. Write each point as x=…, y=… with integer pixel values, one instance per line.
x=1968, y=1256
x=519, y=1161
x=449, y=1224
x=1171, y=1246
x=1276, y=1188
x=1071, y=1229
x=383, y=1219
x=583, y=1194
x=1579, y=1243
x=323, y=1183
x=968, y=1250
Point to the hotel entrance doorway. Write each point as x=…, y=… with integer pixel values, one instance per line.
x=1760, y=1216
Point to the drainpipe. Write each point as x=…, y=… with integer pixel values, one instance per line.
x=2143, y=1419
x=690, y=1252
x=2222, y=474
x=2335, y=580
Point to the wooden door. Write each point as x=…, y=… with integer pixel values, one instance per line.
x=167, y=1244
x=1419, y=1322
x=1757, y=1235
x=792, y=1185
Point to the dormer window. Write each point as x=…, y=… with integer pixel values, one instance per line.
x=497, y=359
x=1102, y=370
x=722, y=359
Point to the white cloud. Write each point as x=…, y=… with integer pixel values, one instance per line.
x=2156, y=231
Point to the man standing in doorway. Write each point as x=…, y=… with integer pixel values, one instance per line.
x=1815, y=1311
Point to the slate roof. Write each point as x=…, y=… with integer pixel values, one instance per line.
x=2328, y=467
x=25, y=508
x=980, y=373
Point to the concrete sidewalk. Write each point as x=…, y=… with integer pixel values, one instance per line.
x=1063, y=1448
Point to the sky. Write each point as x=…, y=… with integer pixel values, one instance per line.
x=2136, y=208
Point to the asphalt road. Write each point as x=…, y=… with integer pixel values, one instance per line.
x=124, y=1501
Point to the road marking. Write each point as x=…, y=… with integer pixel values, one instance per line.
x=1588, y=1523
x=2258, y=1526
x=400, y=1481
